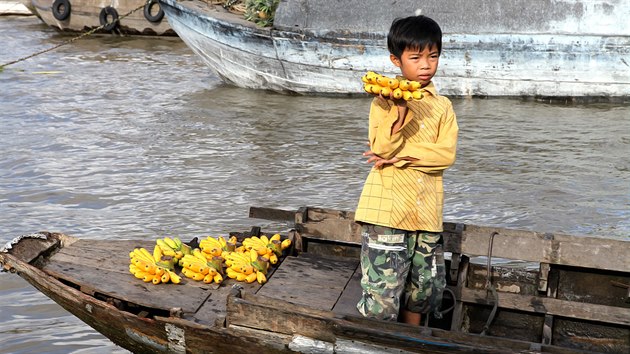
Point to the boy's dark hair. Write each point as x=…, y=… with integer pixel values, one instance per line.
x=414, y=32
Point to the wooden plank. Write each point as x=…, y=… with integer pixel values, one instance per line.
x=587, y=252
x=330, y=224
x=29, y=249
x=263, y=313
x=212, y=312
x=347, y=303
x=472, y=240
x=189, y=295
x=586, y=311
x=111, y=255
x=271, y=214
x=308, y=280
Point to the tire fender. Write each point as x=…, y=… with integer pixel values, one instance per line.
x=105, y=13
x=61, y=9
x=147, y=11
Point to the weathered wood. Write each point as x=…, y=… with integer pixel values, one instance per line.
x=271, y=214
x=314, y=281
x=347, y=303
x=543, y=305
x=472, y=240
x=587, y=252
x=29, y=249
x=258, y=312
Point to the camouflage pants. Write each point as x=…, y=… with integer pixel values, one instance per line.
x=400, y=265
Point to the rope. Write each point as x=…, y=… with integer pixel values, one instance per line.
x=490, y=287
x=73, y=39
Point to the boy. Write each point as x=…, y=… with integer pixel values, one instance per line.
x=400, y=208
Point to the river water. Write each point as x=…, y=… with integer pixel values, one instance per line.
x=117, y=138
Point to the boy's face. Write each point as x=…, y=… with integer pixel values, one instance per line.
x=418, y=65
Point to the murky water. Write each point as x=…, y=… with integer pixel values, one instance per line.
x=115, y=138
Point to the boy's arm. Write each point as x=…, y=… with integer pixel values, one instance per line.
x=431, y=157
x=385, y=127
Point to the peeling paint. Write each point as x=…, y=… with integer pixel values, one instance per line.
x=144, y=339
x=88, y=308
x=176, y=338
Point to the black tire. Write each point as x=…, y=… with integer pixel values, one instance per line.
x=105, y=13
x=147, y=12
x=61, y=9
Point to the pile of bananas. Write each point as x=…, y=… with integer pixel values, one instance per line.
x=268, y=247
x=215, y=258
x=173, y=247
x=246, y=266
x=155, y=268
x=214, y=247
x=199, y=267
x=399, y=89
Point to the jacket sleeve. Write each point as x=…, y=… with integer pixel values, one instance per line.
x=432, y=157
x=383, y=115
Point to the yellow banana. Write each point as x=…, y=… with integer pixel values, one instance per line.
x=275, y=237
x=251, y=278
x=231, y=273
x=273, y=258
x=417, y=95
x=166, y=276
x=166, y=249
x=218, y=278
x=157, y=253
x=261, y=277
x=397, y=93
x=175, y=279
x=171, y=243
x=148, y=278
x=142, y=255
x=382, y=80
x=414, y=85
x=285, y=244
x=156, y=280
x=198, y=276
x=393, y=83
x=407, y=96
x=209, y=278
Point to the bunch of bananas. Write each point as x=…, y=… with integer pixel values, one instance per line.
x=197, y=266
x=155, y=268
x=214, y=247
x=173, y=247
x=399, y=89
x=246, y=266
x=268, y=247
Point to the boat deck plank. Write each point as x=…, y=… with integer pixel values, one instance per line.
x=347, y=304
x=313, y=281
x=108, y=271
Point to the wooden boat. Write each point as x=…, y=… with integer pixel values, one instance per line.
x=14, y=8
x=575, y=299
x=135, y=17
x=319, y=47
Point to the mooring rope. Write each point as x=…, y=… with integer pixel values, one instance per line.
x=75, y=38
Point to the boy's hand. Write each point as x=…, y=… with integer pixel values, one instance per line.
x=377, y=160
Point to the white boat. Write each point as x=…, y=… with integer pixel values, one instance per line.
x=14, y=8
x=135, y=17
x=560, y=49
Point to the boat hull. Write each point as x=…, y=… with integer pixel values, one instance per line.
x=575, y=299
x=308, y=60
x=85, y=15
